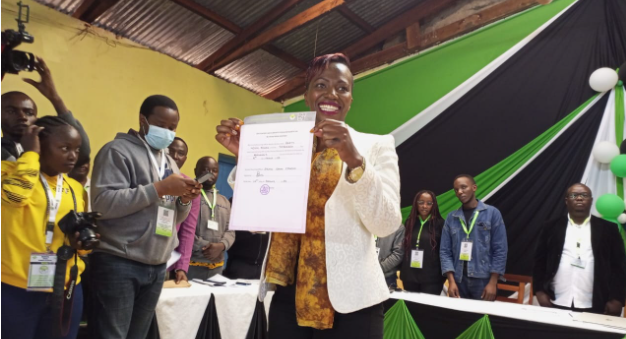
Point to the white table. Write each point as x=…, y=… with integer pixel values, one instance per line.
x=180, y=310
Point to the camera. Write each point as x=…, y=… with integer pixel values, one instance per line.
x=14, y=61
x=83, y=223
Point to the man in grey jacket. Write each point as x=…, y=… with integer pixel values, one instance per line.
x=212, y=235
x=391, y=251
x=141, y=195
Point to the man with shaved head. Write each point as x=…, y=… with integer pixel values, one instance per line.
x=19, y=111
x=580, y=264
x=212, y=235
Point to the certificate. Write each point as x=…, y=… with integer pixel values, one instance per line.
x=273, y=172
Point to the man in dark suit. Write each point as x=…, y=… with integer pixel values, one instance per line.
x=580, y=262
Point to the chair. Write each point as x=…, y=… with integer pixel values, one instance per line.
x=522, y=280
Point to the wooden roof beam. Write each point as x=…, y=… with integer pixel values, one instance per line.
x=89, y=10
x=258, y=26
x=355, y=19
x=279, y=31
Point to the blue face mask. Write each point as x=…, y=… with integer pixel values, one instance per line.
x=159, y=138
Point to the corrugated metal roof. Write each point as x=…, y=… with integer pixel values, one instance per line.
x=65, y=6
x=379, y=12
x=242, y=12
x=333, y=32
x=259, y=72
x=166, y=27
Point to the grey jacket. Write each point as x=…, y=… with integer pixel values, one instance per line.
x=122, y=189
x=391, y=251
x=204, y=235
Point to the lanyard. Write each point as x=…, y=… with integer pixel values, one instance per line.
x=53, y=205
x=160, y=170
x=419, y=235
x=579, y=231
x=207, y=202
x=19, y=148
x=471, y=225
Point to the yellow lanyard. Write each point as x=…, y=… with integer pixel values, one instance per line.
x=207, y=202
x=419, y=235
x=471, y=225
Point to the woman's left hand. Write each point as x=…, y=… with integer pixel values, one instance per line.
x=335, y=134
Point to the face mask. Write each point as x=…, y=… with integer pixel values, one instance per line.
x=159, y=138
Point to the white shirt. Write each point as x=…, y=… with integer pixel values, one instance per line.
x=573, y=284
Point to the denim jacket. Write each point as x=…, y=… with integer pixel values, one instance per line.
x=489, y=241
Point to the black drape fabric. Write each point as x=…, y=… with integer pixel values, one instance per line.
x=209, y=327
x=444, y=323
x=537, y=193
x=542, y=83
x=258, y=325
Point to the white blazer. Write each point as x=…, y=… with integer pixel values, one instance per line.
x=354, y=214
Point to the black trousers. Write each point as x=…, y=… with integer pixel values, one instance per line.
x=362, y=324
x=430, y=288
x=574, y=309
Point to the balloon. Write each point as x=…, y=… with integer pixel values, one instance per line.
x=618, y=166
x=610, y=206
x=605, y=151
x=622, y=218
x=603, y=79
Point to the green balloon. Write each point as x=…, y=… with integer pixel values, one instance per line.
x=618, y=166
x=610, y=206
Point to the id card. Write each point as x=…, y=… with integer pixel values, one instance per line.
x=417, y=258
x=165, y=221
x=466, y=250
x=213, y=225
x=578, y=263
x=41, y=272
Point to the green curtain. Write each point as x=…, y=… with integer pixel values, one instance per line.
x=619, y=130
x=399, y=323
x=388, y=98
x=494, y=176
x=480, y=330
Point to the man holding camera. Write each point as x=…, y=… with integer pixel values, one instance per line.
x=19, y=111
x=141, y=195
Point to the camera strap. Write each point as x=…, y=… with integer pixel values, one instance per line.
x=62, y=298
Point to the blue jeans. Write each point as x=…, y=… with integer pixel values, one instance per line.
x=124, y=296
x=28, y=315
x=472, y=288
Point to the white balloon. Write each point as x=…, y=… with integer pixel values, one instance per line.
x=605, y=151
x=603, y=79
x=622, y=218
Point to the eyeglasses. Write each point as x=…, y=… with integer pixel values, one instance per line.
x=574, y=196
x=420, y=202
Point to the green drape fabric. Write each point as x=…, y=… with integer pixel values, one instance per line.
x=399, y=323
x=619, y=130
x=494, y=176
x=480, y=330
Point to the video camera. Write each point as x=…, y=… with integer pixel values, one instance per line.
x=14, y=61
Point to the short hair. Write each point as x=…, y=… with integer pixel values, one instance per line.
x=204, y=158
x=181, y=140
x=148, y=105
x=471, y=178
x=320, y=63
x=577, y=184
x=51, y=124
x=8, y=95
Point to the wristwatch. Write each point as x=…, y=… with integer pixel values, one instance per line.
x=356, y=173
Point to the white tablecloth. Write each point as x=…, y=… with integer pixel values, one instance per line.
x=516, y=311
x=180, y=310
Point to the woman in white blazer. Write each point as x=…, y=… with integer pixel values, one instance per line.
x=329, y=282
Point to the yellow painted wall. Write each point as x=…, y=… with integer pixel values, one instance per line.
x=104, y=80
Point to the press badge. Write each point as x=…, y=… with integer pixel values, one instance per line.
x=41, y=272
x=417, y=258
x=578, y=263
x=213, y=225
x=466, y=250
x=165, y=221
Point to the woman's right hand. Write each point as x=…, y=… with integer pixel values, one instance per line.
x=30, y=139
x=228, y=132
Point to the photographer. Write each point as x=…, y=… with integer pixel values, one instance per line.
x=36, y=196
x=19, y=112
